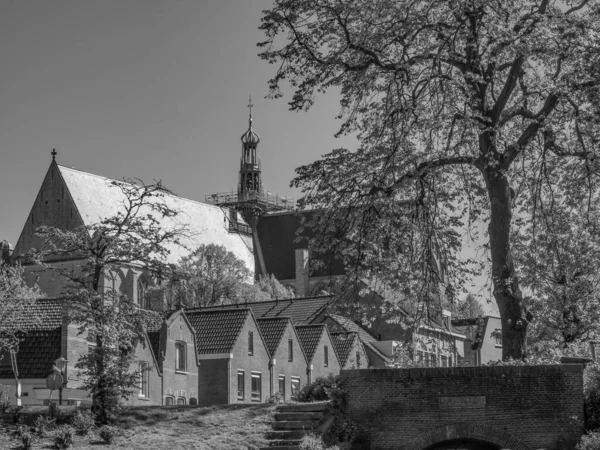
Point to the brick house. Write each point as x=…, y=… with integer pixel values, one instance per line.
x=350, y=350
x=288, y=364
x=320, y=351
x=483, y=339
x=234, y=360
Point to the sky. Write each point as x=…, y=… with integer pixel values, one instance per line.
x=150, y=89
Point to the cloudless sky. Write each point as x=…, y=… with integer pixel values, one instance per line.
x=151, y=89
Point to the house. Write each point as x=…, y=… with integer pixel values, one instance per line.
x=483, y=342
x=320, y=351
x=234, y=359
x=350, y=350
x=288, y=365
x=52, y=337
x=70, y=198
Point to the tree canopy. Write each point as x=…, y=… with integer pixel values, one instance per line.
x=465, y=111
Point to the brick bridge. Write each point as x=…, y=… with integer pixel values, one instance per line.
x=475, y=408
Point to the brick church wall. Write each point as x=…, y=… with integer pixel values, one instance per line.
x=517, y=407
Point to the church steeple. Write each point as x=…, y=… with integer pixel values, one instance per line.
x=250, y=183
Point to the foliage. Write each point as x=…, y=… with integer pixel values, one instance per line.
x=276, y=398
x=314, y=442
x=212, y=275
x=591, y=393
x=465, y=111
x=403, y=359
x=42, y=424
x=319, y=389
x=136, y=235
x=53, y=411
x=108, y=433
x=17, y=414
x=589, y=441
x=16, y=299
x=27, y=439
x=83, y=422
x=4, y=398
x=468, y=308
x=63, y=437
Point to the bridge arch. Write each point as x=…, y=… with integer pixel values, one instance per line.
x=465, y=432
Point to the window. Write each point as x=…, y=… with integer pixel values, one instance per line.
x=444, y=361
x=250, y=343
x=241, y=391
x=282, y=385
x=180, y=401
x=449, y=361
x=326, y=356
x=141, y=293
x=295, y=386
x=180, y=356
x=143, y=379
x=357, y=359
x=419, y=356
x=256, y=386
x=290, y=350
x=168, y=401
x=498, y=336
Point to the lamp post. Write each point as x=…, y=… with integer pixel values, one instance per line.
x=60, y=366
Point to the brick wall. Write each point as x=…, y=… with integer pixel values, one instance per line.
x=521, y=408
x=213, y=381
x=295, y=368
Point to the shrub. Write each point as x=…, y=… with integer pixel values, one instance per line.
x=317, y=390
x=27, y=439
x=108, y=433
x=42, y=424
x=53, y=410
x=590, y=441
x=83, y=422
x=275, y=398
x=344, y=430
x=63, y=438
x=314, y=442
x=17, y=414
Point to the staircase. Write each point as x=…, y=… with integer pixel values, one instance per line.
x=292, y=422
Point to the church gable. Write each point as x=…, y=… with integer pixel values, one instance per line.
x=53, y=206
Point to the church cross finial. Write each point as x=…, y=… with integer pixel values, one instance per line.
x=53, y=153
x=250, y=105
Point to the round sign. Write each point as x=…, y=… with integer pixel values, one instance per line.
x=54, y=381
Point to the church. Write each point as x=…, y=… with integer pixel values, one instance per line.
x=223, y=354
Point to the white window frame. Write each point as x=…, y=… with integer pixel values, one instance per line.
x=178, y=345
x=243, y=385
x=143, y=374
x=253, y=397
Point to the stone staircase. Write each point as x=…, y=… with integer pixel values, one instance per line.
x=292, y=422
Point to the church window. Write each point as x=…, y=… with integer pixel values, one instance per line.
x=141, y=293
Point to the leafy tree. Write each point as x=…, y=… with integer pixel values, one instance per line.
x=136, y=236
x=459, y=106
x=212, y=275
x=469, y=308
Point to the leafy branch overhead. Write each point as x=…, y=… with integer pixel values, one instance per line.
x=465, y=110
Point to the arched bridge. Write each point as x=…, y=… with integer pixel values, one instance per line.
x=474, y=408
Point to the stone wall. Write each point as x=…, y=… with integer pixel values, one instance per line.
x=514, y=407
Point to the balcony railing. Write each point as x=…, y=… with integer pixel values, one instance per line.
x=267, y=198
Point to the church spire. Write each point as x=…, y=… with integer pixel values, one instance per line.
x=250, y=136
x=249, y=182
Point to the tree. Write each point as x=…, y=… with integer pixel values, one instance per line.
x=135, y=236
x=212, y=275
x=469, y=308
x=458, y=105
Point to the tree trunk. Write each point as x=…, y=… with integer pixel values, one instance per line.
x=506, y=287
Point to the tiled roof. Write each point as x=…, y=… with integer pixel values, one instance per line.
x=97, y=198
x=217, y=331
x=272, y=330
x=278, y=242
x=310, y=336
x=153, y=332
x=41, y=344
x=302, y=311
x=343, y=342
x=365, y=337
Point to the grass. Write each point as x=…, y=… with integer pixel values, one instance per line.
x=175, y=427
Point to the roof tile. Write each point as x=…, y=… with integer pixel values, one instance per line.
x=310, y=336
x=272, y=330
x=217, y=331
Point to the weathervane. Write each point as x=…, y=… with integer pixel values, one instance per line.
x=250, y=105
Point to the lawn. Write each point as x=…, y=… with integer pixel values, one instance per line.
x=173, y=427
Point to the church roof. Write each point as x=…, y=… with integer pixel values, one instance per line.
x=302, y=311
x=96, y=198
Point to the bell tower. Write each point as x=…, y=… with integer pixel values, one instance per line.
x=249, y=183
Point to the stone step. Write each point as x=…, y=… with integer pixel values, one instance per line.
x=295, y=425
x=283, y=443
x=299, y=415
x=280, y=447
x=301, y=407
x=285, y=435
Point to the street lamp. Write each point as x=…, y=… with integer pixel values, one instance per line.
x=60, y=366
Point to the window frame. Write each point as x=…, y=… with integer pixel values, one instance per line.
x=498, y=338
x=241, y=373
x=171, y=398
x=297, y=389
x=290, y=350
x=142, y=288
x=358, y=361
x=282, y=378
x=256, y=395
x=250, y=343
x=143, y=371
x=178, y=346
x=325, y=356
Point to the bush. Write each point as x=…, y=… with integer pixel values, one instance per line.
x=318, y=389
x=27, y=439
x=4, y=398
x=17, y=414
x=314, y=442
x=108, y=433
x=42, y=424
x=275, y=398
x=83, y=422
x=590, y=441
x=63, y=437
x=53, y=411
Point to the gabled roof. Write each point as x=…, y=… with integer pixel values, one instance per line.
x=218, y=330
x=365, y=337
x=153, y=332
x=343, y=342
x=272, y=330
x=480, y=325
x=96, y=198
x=310, y=336
x=302, y=311
x=41, y=343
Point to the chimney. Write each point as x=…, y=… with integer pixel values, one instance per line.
x=7, y=251
x=302, y=264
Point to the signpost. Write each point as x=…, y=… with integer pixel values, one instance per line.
x=54, y=381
